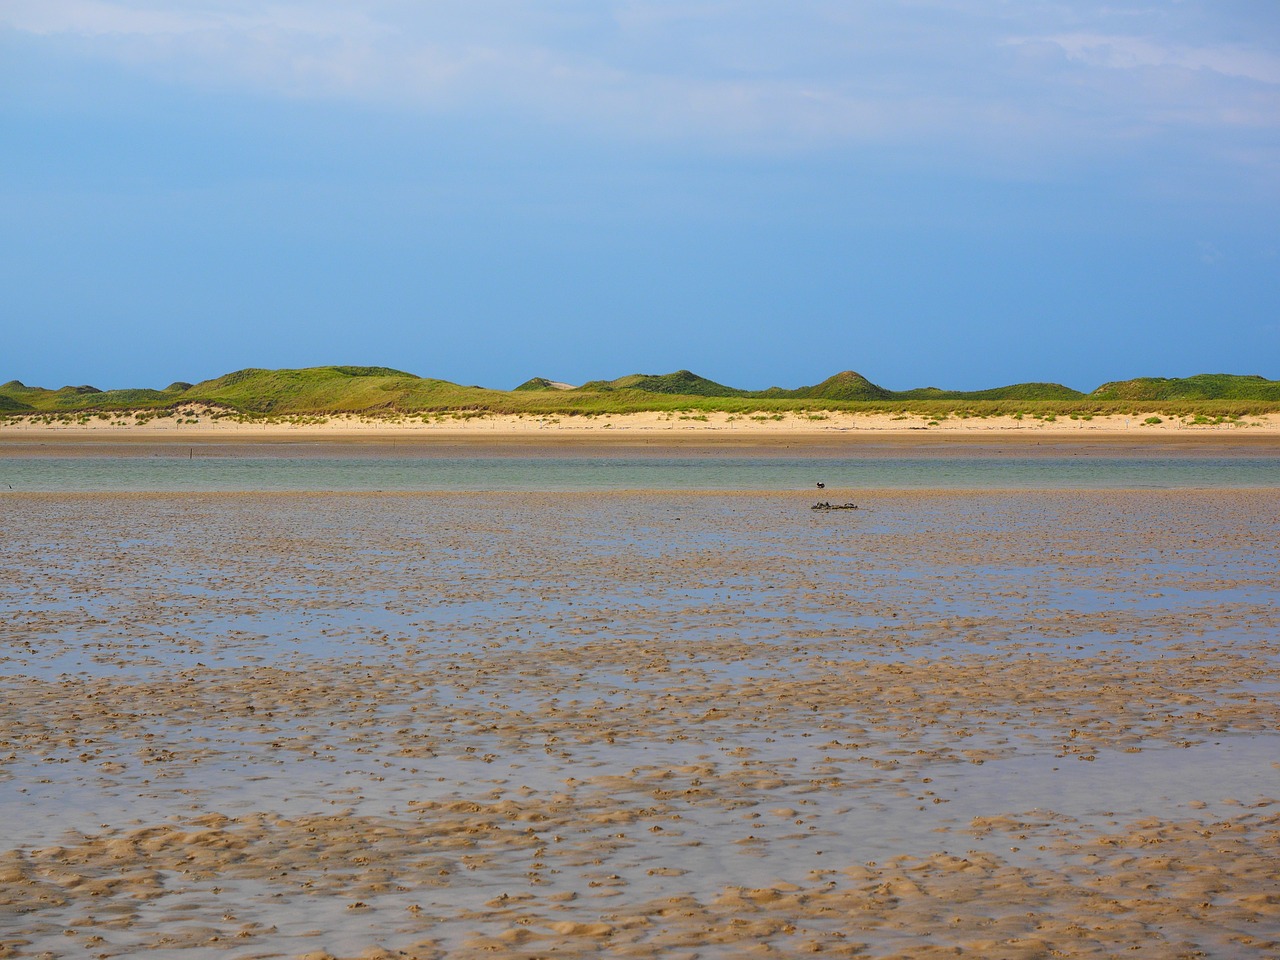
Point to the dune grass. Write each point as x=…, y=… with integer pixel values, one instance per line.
x=385, y=392
x=1205, y=386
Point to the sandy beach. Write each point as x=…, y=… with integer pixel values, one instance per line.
x=640, y=725
x=673, y=427
x=636, y=435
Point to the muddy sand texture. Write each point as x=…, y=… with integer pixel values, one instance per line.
x=1015, y=725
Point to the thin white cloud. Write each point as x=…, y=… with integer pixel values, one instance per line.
x=1209, y=253
x=1128, y=53
x=103, y=18
x=812, y=73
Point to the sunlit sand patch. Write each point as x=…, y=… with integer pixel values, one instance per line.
x=1012, y=724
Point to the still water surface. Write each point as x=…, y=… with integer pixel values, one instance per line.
x=480, y=473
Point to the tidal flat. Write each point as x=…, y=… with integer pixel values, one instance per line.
x=677, y=725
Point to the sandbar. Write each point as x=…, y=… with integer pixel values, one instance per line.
x=833, y=430
x=640, y=725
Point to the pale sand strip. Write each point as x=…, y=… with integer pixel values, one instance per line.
x=648, y=434
x=667, y=427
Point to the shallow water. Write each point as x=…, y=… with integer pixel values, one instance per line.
x=622, y=472
x=709, y=724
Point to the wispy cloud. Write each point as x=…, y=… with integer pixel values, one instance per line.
x=1209, y=253
x=107, y=19
x=813, y=73
x=1119, y=52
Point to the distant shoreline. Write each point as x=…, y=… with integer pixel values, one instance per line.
x=836, y=431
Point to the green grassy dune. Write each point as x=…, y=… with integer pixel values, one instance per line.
x=331, y=390
x=682, y=383
x=383, y=391
x=1205, y=386
x=846, y=385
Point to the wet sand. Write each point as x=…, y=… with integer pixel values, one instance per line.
x=640, y=725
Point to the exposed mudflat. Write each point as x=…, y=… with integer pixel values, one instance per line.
x=640, y=725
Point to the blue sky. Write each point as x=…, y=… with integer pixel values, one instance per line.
x=958, y=193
